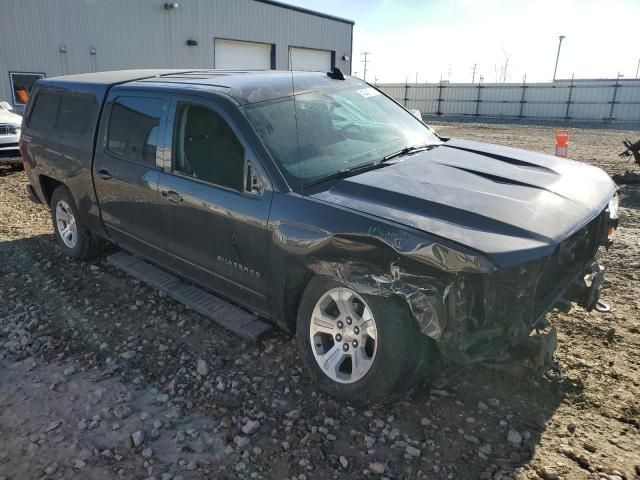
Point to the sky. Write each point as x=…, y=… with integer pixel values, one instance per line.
x=444, y=38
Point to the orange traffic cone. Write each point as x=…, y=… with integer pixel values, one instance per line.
x=562, y=143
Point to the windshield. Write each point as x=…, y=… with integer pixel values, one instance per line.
x=326, y=132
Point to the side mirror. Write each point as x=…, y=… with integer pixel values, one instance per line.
x=416, y=113
x=253, y=183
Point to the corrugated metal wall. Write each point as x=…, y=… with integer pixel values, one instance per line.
x=142, y=34
x=564, y=100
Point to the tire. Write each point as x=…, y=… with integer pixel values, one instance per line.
x=394, y=364
x=76, y=241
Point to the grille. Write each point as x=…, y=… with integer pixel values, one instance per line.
x=524, y=293
x=6, y=129
x=571, y=255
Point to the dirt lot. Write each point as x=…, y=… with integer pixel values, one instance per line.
x=101, y=377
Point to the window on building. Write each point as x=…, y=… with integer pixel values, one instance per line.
x=207, y=148
x=21, y=86
x=76, y=114
x=134, y=128
x=45, y=110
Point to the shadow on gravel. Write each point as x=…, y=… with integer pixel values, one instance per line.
x=483, y=407
x=474, y=423
x=6, y=170
x=630, y=196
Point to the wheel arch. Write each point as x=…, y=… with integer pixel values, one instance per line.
x=371, y=266
x=49, y=185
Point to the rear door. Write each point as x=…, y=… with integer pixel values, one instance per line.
x=127, y=168
x=215, y=200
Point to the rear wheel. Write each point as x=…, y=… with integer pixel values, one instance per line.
x=358, y=347
x=73, y=236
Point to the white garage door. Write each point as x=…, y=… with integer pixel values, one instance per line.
x=235, y=55
x=310, y=60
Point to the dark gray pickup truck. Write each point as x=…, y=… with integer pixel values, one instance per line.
x=322, y=205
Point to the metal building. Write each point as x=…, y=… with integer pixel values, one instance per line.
x=62, y=37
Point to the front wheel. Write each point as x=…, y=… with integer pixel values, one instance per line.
x=361, y=348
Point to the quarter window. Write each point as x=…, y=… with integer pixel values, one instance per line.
x=65, y=113
x=134, y=128
x=45, y=110
x=207, y=148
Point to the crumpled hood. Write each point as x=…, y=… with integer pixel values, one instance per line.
x=511, y=204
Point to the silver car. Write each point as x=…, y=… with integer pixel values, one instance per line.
x=9, y=135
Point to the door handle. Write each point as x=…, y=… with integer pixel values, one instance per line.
x=104, y=174
x=173, y=197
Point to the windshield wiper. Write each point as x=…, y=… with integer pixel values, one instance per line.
x=408, y=150
x=347, y=172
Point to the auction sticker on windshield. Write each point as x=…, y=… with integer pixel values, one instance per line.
x=368, y=92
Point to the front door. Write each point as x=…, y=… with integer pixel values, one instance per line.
x=126, y=172
x=215, y=203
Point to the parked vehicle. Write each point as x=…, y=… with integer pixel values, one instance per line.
x=326, y=207
x=9, y=135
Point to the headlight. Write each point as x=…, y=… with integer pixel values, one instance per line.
x=14, y=129
x=613, y=207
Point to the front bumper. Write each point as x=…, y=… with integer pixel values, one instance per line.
x=9, y=151
x=10, y=158
x=585, y=290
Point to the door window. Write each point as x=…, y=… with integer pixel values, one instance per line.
x=207, y=148
x=134, y=128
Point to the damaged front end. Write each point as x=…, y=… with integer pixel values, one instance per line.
x=500, y=318
x=496, y=317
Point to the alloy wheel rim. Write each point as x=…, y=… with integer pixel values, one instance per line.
x=343, y=335
x=66, y=223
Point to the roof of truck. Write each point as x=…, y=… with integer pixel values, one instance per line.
x=243, y=86
x=111, y=77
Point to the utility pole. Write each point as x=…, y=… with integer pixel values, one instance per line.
x=473, y=72
x=365, y=64
x=560, y=38
x=638, y=68
x=416, y=78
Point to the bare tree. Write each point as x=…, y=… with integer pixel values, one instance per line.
x=502, y=71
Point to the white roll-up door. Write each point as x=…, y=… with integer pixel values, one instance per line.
x=236, y=55
x=309, y=59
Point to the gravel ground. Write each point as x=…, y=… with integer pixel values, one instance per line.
x=101, y=377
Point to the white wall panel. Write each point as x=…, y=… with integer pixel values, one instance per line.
x=577, y=100
x=142, y=34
